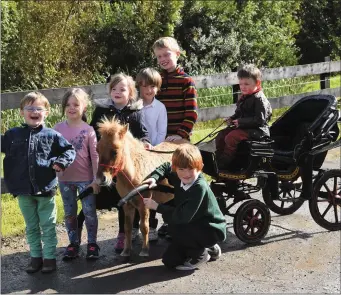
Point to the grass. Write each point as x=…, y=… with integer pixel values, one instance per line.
x=12, y=222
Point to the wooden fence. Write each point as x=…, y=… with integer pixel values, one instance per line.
x=11, y=100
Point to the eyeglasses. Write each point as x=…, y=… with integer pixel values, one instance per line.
x=34, y=109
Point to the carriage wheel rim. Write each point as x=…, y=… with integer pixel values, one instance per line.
x=333, y=199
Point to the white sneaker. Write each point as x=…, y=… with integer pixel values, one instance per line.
x=153, y=236
x=135, y=233
x=193, y=264
x=214, y=251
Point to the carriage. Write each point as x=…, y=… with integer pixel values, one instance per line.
x=286, y=167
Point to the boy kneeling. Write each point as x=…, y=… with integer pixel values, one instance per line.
x=196, y=223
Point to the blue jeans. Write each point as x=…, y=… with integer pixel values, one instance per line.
x=69, y=192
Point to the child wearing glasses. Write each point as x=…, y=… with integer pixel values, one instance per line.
x=33, y=155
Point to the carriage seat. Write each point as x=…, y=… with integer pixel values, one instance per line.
x=285, y=145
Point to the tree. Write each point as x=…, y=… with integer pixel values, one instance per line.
x=321, y=30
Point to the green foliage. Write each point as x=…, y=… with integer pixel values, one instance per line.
x=220, y=35
x=321, y=30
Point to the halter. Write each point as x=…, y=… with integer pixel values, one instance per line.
x=116, y=170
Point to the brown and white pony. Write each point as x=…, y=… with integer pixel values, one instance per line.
x=125, y=157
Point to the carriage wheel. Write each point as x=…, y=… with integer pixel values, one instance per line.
x=287, y=201
x=325, y=204
x=251, y=222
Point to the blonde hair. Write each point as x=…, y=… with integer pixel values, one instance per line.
x=249, y=71
x=167, y=42
x=80, y=95
x=117, y=78
x=149, y=76
x=32, y=97
x=187, y=156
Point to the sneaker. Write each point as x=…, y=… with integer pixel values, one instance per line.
x=193, y=264
x=119, y=243
x=214, y=251
x=72, y=251
x=163, y=230
x=135, y=233
x=93, y=251
x=153, y=236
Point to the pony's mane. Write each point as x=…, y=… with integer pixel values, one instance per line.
x=109, y=127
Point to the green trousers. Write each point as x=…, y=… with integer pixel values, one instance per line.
x=40, y=214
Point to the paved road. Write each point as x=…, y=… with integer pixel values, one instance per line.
x=297, y=256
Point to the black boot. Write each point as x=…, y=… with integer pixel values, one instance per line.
x=35, y=264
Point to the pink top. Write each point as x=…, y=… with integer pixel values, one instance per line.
x=84, y=141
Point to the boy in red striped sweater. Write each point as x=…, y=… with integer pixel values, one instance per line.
x=177, y=91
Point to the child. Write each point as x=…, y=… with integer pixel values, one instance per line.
x=178, y=94
x=80, y=174
x=33, y=154
x=155, y=119
x=124, y=107
x=154, y=112
x=250, y=119
x=196, y=222
x=177, y=91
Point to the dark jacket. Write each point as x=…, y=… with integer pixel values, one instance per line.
x=197, y=205
x=29, y=156
x=253, y=114
x=131, y=114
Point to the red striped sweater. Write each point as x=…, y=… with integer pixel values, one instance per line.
x=178, y=94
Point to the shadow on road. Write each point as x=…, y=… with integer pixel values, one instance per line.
x=112, y=273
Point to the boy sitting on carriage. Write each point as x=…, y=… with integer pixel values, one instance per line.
x=250, y=120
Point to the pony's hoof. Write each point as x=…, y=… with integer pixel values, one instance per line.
x=125, y=253
x=144, y=253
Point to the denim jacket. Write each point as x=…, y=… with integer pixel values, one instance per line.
x=29, y=156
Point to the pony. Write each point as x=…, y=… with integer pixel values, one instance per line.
x=124, y=157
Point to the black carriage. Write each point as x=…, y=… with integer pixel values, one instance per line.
x=286, y=167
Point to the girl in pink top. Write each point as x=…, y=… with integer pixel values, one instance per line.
x=80, y=174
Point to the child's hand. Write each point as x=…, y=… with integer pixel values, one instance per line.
x=150, y=204
x=235, y=122
x=151, y=182
x=57, y=168
x=228, y=120
x=148, y=146
x=173, y=138
x=95, y=187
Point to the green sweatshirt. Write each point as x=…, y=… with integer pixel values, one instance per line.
x=197, y=205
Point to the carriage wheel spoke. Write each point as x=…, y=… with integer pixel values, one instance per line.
x=247, y=229
x=253, y=230
x=326, y=211
x=335, y=214
x=257, y=214
x=324, y=196
x=290, y=195
x=327, y=188
x=335, y=185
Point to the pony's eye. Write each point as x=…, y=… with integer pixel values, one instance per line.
x=113, y=154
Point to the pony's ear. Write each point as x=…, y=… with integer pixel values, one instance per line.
x=124, y=130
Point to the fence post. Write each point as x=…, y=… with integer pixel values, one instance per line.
x=325, y=78
x=235, y=88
